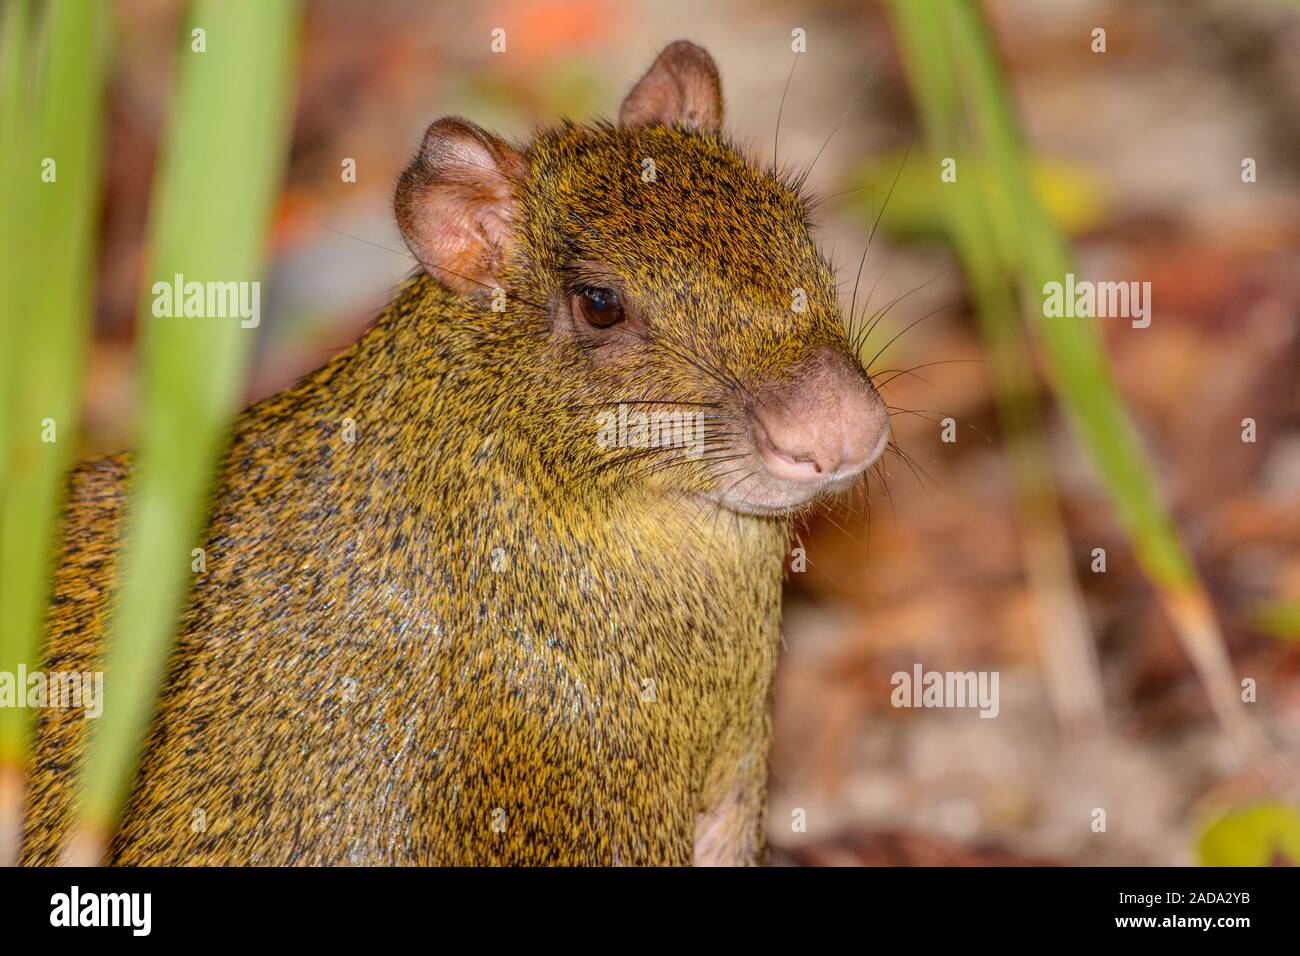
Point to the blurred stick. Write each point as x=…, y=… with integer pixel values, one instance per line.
x=1069, y=652
x=51, y=122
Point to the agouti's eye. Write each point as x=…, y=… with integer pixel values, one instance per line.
x=599, y=307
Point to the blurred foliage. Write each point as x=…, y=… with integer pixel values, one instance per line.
x=53, y=63
x=223, y=157
x=1279, y=618
x=568, y=89
x=1264, y=834
x=1074, y=198
x=964, y=211
x=952, y=66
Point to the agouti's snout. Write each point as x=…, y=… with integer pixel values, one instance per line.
x=824, y=426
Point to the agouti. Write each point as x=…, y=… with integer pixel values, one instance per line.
x=462, y=605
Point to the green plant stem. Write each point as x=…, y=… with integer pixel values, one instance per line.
x=51, y=116
x=951, y=35
x=224, y=153
x=1068, y=650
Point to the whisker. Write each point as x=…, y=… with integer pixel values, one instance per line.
x=910, y=460
x=876, y=224
x=776, y=136
x=915, y=368
x=907, y=329
x=803, y=178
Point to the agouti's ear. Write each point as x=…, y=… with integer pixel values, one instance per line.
x=456, y=204
x=681, y=87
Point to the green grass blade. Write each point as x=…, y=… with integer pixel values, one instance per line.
x=1076, y=362
x=15, y=40
x=52, y=119
x=1073, y=349
x=1069, y=656
x=224, y=154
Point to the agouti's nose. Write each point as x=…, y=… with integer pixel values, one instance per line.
x=827, y=423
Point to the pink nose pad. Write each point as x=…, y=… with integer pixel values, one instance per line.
x=829, y=423
x=794, y=456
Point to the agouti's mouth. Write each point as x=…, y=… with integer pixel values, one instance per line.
x=773, y=486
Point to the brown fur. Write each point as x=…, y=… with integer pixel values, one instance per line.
x=500, y=588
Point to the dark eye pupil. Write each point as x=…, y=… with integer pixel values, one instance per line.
x=600, y=307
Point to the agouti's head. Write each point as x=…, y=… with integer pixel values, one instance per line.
x=682, y=330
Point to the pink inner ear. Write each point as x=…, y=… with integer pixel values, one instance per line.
x=681, y=87
x=459, y=235
x=455, y=204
